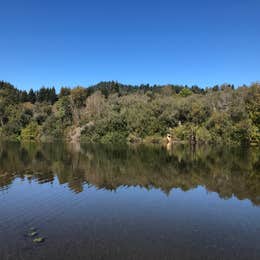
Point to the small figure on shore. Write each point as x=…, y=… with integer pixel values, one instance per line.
x=193, y=139
x=169, y=138
x=169, y=144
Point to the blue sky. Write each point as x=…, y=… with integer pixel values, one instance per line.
x=68, y=43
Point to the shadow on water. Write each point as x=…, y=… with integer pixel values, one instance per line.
x=229, y=172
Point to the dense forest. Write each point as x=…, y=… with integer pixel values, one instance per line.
x=110, y=112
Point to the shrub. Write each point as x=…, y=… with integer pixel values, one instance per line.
x=114, y=138
x=185, y=92
x=30, y=132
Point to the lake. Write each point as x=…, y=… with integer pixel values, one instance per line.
x=139, y=202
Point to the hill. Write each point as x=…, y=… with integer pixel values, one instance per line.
x=110, y=112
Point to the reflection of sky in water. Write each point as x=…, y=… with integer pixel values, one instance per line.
x=39, y=197
x=51, y=203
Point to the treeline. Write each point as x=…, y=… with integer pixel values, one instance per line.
x=110, y=112
x=49, y=95
x=14, y=95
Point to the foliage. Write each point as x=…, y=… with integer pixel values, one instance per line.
x=64, y=110
x=30, y=132
x=114, y=138
x=111, y=112
x=185, y=92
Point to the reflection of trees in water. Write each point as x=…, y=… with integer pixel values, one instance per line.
x=225, y=171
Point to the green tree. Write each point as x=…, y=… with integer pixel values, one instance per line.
x=30, y=132
x=185, y=92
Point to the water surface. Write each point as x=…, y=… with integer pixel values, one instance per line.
x=101, y=202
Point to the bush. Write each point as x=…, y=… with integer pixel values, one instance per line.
x=182, y=132
x=30, y=132
x=203, y=135
x=242, y=132
x=114, y=138
x=185, y=92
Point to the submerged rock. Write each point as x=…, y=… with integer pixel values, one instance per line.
x=38, y=240
x=32, y=229
x=32, y=234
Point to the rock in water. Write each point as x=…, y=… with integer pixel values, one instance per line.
x=38, y=240
x=32, y=229
x=32, y=234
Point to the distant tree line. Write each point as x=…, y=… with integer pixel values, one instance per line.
x=49, y=95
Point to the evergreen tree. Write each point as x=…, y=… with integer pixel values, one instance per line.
x=31, y=96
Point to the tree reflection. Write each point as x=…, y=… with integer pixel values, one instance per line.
x=229, y=172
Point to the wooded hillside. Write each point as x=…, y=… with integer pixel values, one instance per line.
x=110, y=112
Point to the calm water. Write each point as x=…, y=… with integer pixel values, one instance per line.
x=99, y=202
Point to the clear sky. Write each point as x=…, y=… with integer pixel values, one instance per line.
x=68, y=43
